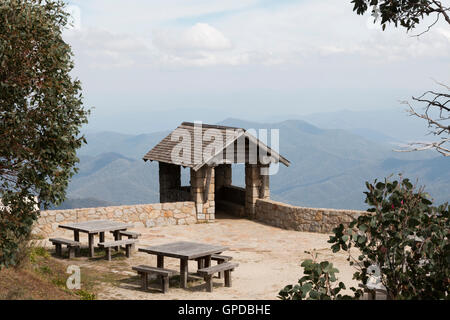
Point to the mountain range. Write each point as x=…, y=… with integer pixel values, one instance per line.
x=328, y=169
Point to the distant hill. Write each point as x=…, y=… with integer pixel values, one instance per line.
x=328, y=167
x=391, y=125
x=82, y=203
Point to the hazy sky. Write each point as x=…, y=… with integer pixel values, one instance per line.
x=146, y=65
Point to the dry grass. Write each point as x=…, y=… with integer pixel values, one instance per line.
x=40, y=277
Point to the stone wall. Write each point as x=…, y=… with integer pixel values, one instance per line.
x=290, y=217
x=144, y=215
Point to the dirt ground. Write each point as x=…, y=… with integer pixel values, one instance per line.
x=269, y=258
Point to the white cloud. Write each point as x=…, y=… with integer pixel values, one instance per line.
x=97, y=48
x=201, y=36
x=148, y=34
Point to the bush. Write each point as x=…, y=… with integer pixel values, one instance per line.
x=318, y=283
x=405, y=236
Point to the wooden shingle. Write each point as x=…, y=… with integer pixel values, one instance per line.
x=198, y=140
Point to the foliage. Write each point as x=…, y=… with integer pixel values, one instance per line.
x=41, y=114
x=86, y=295
x=318, y=283
x=36, y=252
x=405, y=236
x=406, y=13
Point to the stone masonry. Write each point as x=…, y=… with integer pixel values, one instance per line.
x=203, y=192
x=289, y=217
x=256, y=187
x=148, y=215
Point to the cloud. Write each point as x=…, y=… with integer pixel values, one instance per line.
x=201, y=36
x=175, y=34
x=102, y=49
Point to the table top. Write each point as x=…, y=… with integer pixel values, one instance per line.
x=184, y=249
x=95, y=226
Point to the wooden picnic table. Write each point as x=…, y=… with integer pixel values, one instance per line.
x=185, y=251
x=94, y=227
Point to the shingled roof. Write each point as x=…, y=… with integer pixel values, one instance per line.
x=162, y=152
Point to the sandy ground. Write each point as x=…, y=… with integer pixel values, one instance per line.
x=269, y=258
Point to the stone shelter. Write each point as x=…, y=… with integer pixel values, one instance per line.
x=209, y=151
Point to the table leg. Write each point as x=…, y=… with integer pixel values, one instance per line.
x=91, y=245
x=102, y=237
x=160, y=261
x=200, y=263
x=76, y=237
x=183, y=273
x=207, y=260
x=117, y=237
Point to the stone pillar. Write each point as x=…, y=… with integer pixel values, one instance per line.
x=264, y=191
x=169, y=178
x=202, y=190
x=256, y=187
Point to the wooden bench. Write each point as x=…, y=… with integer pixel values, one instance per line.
x=129, y=234
x=71, y=246
x=208, y=272
x=221, y=259
x=108, y=245
x=144, y=271
x=216, y=257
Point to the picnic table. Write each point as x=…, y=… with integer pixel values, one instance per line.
x=94, y=227
x=185, y=251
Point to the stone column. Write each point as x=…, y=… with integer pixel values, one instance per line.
x=169, y=178
x=203, y=192
x=256, y=187
x=264, y=191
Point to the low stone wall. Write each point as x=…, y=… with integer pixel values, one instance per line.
x=285, y=216
x=144, y=215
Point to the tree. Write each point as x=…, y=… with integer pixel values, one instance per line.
x=408, y=14
x=41, y=114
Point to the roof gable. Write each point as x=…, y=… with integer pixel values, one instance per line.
x=195, y=145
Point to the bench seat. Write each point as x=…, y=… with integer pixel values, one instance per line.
x=71, y=246
x=164, y=274
x=220, y=258
x=215, y=257
x=129, y=234
x=208, y=272
x=110, y=244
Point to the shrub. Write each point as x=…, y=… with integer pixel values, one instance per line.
x=405, y=236
x=318, y=283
